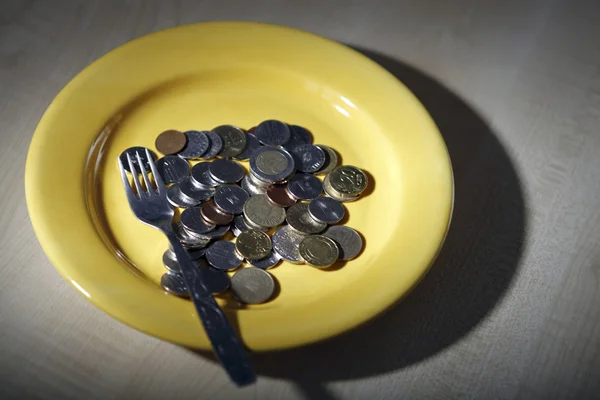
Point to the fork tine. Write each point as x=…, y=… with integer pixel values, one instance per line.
x=126, y=185
x=149, y=188
x=160, y=185
x=134, y=174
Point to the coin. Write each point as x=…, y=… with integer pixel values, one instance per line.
x=273, y=133
x=252, y=130
x=215, y=280
x=201, y=175
x=257, y=182
x=211, y=213
x=299, y=219
x=172, y=169
x=308, y=157
x=334, y=194
x=196, y=254
x=286, y=242
x=271, y=164
x=218, y=232
x=326, y=210
x=318, y=251
x=252, y=285
x=216, y=145
x=348, y=240
x=170, y=142
x=234, y=140
x=279, y=196
x=231, y=198
x=222, y=255
x=197, y=145
x=170, y=262
x=174, y=284
x=251, y=188
x=259, y=211
x=193, y=222
x=268, y=262
x=299, y=135
x=178, y=199
x=188, y=240
x=348, y=180
x=252, y=144
x=305, y=187
x=331, y=159
x=132, y=151
x=253, y=244
x=226, y=171
x=189, y=189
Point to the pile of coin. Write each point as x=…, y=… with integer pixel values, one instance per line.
x=278, y=210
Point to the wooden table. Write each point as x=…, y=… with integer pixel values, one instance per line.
x=510, y=309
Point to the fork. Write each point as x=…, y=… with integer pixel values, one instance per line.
x=151, y=207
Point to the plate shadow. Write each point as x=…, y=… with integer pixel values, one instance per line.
x=469, y=278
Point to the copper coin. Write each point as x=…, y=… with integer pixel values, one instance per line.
x=211, y=213
x=279, y=196
x=170, y=142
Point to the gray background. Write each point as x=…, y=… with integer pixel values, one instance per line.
x=510, y=309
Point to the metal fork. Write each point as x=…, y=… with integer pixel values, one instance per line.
x=152, y=208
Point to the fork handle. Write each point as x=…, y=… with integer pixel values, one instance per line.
x=225, y=343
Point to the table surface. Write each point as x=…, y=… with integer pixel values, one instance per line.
x=509, y=310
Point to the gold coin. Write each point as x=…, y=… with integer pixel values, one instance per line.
x=319, y=251
x=348, y=180
x=253, y=245
x=260, y=212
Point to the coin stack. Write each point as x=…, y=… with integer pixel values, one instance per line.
x=278, y=210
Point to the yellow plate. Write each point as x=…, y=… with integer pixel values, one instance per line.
x=201, y=76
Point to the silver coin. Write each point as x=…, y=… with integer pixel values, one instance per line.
x=197, y=145
x=215, y=280
x=239, y=225
x=222, y=255
x=271, y=164
x=216, y=233
x=174, y=284
x=216, y=145
x=348, y=240
x=331, y=159
x=286, y=242
x=251, y=188
x=299, y=135
x=189, y=240
x=178, y=199
x=234, y=140
x=194, y=253
x=259, y=211
x=308, y=157
x=191, y=190
x=334, y=194
x=257, y=182
x=348, y=180
x=305, y=187
x=201, y=176
x=226, y=171
x=172, y=169
x=299, y=219
x=170, y=262
x=273, y=133
x=193, y=222
x=132, y=151
x=326, y=210
x=252, y=285
x=268, y=262
x=231, y=198
x=252, y=144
